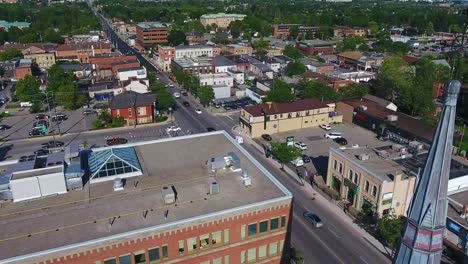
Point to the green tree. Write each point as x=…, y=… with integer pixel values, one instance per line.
x=354, y=90
x=292, y=52
x=52, y=36
x=164, y=100
x=27, y=90
x=260, y=44
x=374, y=28
x=352, y=43
x=325, y=32
x=176, y=38
x=297, y=256
x=69, y=96
x=430, y=29
x=295, y=68
x=293, y=33
x=9, y=54
x=390, y=228
x=280, y=93
x=206, y=94
x=284, y=153
x=395, y=76
x=157, y=87
x=314, y=89
x=118, y=122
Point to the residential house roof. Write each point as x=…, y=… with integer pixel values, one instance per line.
x=281, y=108
x=131, y=99
x=131, y=69
x=81, y=46
x=223, y=61
x=327, y=80
x=75, y=67
x=46, y=47
x=353, y=55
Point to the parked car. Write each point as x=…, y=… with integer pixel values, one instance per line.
x=41, y=116
x=341, y=141
x=184, y=93
x=333, y=135
x=116, y=141
x=198, y=111
x=41, y=152
x=217, y=105
x=266, y=137
x=59, y=117
x=210, y=129
x=306, y=158
x=89, y=112
x=298, y=162
x=173, y=128
x=227, y=107
x=35, y=132
x=300, y=145
x=177, y=95
x=313, y=219
x=186, y=104
x=4, y=127
x=325, y=127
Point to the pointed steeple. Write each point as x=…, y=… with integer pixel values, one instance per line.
x=422, y=239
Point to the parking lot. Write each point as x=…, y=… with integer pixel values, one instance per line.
x=22, y=121
x=318, y=146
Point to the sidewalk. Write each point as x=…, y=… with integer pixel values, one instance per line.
x=321, y=199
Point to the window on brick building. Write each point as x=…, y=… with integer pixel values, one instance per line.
x=243, y=232
x=263, y=227
x=273, y=249
x=127, y=259
x=226, y=259
x=274, y=224
x=226, y=236
x=283, y=221
x=281, y=246
x=242, y=257
x=153, y=255
x=262, y=252
x=139, y=257
x=216, y=238
x=217, y=261
x=252, y=255
x=252, y=228
x=110, y=261
x=165, y=252
x=191, y=244
x=181, y=247
x=205, y=241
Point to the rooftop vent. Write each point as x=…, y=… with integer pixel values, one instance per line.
x=168, y=195
x=246, y=180
x=363, y=108
x=416, y=145
x=213, y=186
x=118, y=184
x=363, y=156
x=383, y=153
x=399, y=148
x=392, y=118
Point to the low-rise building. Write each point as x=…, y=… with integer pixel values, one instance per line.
x=136, y=85
x=166, y=54
x=102, y=64
x=332, y=82
x=222, y=20
x=216, y=79
x=223, y=64
x=342, y=31
x=103, y=91
x=361, y=61
x=316, y=66
x=23, y=69
x=370, y=181
x=43, y=54
x=237, y=49
x=124, y=64
x=135, y=108
x=271, y=118
x=82, y=52
x=352, y=75
x=128, y=73
x=193, y=65
x=316, y=47
x=150, y=34
x=282, y=30
x=79, y=70
x=194, y=38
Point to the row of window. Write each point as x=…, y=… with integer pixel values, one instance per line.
x=262, y=252
x=217, y=260
x=262, y=227
x=154, y=255
x=204, y=241
x=354, y=176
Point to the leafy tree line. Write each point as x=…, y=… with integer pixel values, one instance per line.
x=48, y=23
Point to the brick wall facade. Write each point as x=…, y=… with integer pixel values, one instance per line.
x=232, y=245
x=143, y=114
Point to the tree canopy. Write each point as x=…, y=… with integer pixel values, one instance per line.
x=280, y=93
x=206, y=94
x=9, y=54
x=176, y=38
x=27, y=90
x=295, y=68
x=292, y=52
x=390, y=228
x=284, y=153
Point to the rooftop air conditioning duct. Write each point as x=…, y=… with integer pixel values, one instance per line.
x=392, y=118
x=214, y=187
x=363, y=156
x=168, y=195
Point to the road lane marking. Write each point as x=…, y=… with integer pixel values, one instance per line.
x=363, y=260
x=230, y=117
x=331, y=231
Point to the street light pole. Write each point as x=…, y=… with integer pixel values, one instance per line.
x=170, y=111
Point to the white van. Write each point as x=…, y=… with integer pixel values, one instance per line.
x=333, y=135
x=298, y=162
x=25, y=104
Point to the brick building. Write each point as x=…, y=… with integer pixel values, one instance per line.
x=282, y=30
x=237, y=49
x=23, y=68
x=83, y=51
x=126, y=64
x=341, y=31
x=135, y=108
x=316, y=47
x=102, y=64
x=43, y=54
x=222, y=20
x=221, y=206
x=150, y=34
x=332, y=82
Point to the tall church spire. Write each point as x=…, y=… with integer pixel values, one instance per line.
x=423, y=237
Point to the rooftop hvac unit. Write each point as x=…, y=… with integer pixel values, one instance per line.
x=213, y=185
x=118, y=184
x=384, y=154
x=399, y=148
x=246, y=180
x=392, y=118
x=168, y=195
x=416, y=145
x=363, y=156
x=363, y=108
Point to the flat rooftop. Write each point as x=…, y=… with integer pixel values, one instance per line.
x=455, y=205
x=381, y=168
x=82, y=215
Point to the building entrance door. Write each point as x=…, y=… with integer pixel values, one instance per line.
x=350, y=196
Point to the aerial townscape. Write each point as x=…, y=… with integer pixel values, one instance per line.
x=234, y=131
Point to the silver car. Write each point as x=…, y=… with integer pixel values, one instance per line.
x=313, y=219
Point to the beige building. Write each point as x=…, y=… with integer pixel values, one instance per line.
x=43, y=60
x=222, y=20
x=273, y=118
x=370, y=181
x=237, y=49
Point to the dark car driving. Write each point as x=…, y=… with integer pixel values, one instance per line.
x=341, y=141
